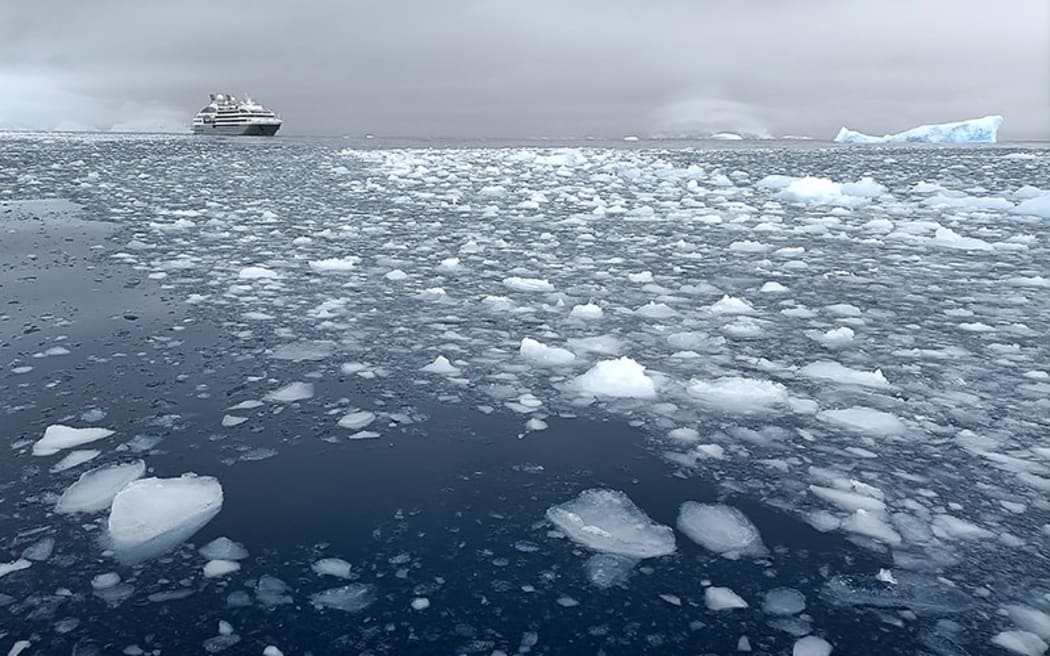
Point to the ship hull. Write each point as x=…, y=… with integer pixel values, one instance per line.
x=246, y=130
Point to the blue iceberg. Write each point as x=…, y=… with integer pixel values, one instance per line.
x=975, y=130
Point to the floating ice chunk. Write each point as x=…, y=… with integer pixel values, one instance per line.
x=310, y=350
x=396, y=275
x=620, y=378
x=653, y=310
x=57, y=437
x=104, y=581
x=872, y=525
x=73, y=459
x=739, y=395
x=827, y=370
x=219, y=568
x=948, y=238
x=917, y=592
x=539, y=353
x=229, y=421
x=773, y=287
x=605, y=570
x=1021, y=642
x=783, y=601
x=297, y=391
x=588, y=311
x=608, y=521
x=257, y=273
x=851, y=501
x=949, y=527
x=223, y=548
x=528, y=284
x=864, y=420
x=747, y=246
x=420, y=603
x=351, y=598
x=151, y=516
x=722, y=529
x=332, y=567
x=95, y=489
x=271, y=650
x=641, y=276
x=834, y=338
x=975, y=130
x=440, y=365
x=335, y=264
x=723, y=599
x=18, y=647
x=40, y=550
x=272, y=591
x=1038, y=206
x=731, y=305
x=246, y=405
x=357, y=420
x=15, y=566
x=1030, y=619
x=811, y=646
x=605, y=344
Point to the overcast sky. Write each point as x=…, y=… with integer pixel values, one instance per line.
x=531, y=68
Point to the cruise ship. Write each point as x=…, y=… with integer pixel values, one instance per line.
x=225, y=115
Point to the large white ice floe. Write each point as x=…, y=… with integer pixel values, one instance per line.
x=812, y=190
x=608, y=521
x=619, y=378
x=520, y=284
x=975, y=130
x=721, y=528
x=151, y=516
x=95, y=489
x=57, y=437
x=292, y=392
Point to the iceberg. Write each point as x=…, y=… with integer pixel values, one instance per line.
x=152, y=516
x=975, y=130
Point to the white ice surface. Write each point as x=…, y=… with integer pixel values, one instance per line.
x=608, y=521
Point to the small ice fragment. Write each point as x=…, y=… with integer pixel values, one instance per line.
x=731, y=305
x=723, y=599
x=104, y=581
x=19, y=647
x=440, y=365
x=218, y=568
x=739, y=395
x=528, y=284
x=811, y=646
x=721, y=528
x=833, y=371
x=292, y=392
x=549, y=356
x=57, y=437
x=420, y=603
x=270, y=650
x=587, y=312
x=783, y=601
x=357, y=420
x=15, y=566
x=335, y=264
x=40, y=550
x=223, y=548
x=257, y=273
x=332, y=567
x=229, y=421
x=348, y=598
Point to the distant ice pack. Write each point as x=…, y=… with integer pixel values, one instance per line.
x=975, y=130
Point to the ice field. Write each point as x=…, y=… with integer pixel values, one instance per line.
x=312, y=397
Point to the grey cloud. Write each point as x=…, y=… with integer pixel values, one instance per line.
x=513, y=69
